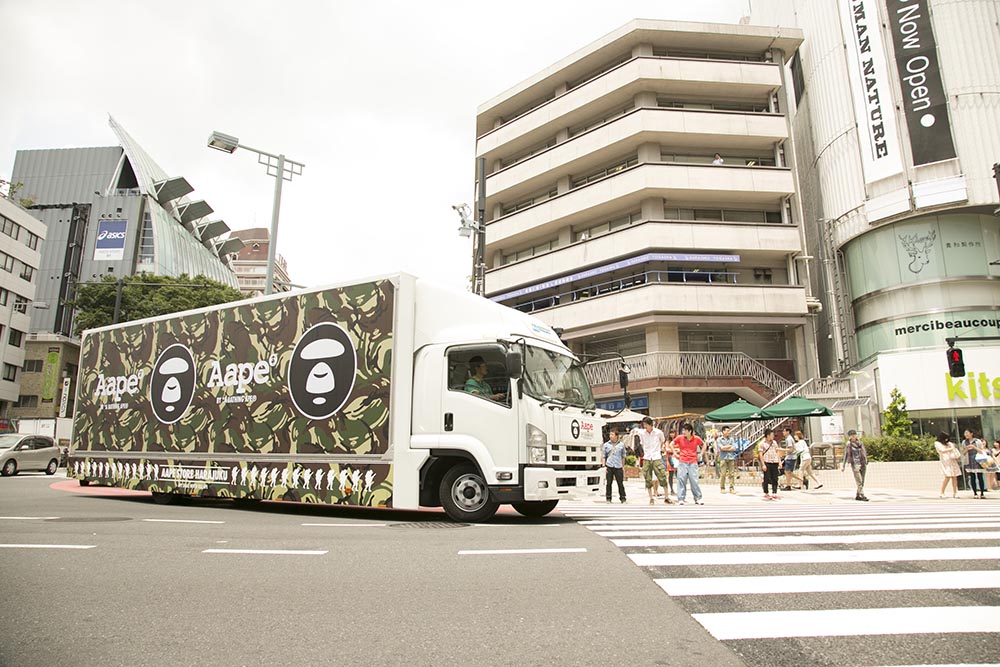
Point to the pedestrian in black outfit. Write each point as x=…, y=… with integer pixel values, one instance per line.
x=613, y=459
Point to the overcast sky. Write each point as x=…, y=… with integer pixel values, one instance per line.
x=377, y=98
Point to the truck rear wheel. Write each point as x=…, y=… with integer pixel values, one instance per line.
x=161, y=498
x=465, y=495
x=535, y=508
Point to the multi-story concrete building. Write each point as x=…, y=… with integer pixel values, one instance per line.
x=48, y=377
x=640, y=196
x=113, y=210
x=249, y=263
x=896, y=121
x=21, y=235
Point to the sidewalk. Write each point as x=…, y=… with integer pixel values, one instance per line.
x=885, y=482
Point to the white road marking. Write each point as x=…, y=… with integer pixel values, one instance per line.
x=497, y=552
x=180, y=521
x=805, y=539
x=48, y=546
x=28, y=518
x=850, y=622
x=785, y=521
x=796, y=529
x=786, y=557
x=346, y=525
x=770, y=524
x=831, y=583
x=266, y=552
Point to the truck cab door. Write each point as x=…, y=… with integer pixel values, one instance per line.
x=478, y=406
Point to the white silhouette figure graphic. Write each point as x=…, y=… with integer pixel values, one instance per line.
x=343, y=479
x=319, y=480
x=295, y=477
x=307, y=477
x=356, y=480
x=369, y=480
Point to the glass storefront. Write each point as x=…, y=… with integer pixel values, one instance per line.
x=916, y=282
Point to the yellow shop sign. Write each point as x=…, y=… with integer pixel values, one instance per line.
x=972, y=387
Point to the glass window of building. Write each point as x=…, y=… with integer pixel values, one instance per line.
x=9, y=372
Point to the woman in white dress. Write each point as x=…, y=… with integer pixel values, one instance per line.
x=949, y=456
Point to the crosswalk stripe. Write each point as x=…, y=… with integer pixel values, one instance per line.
x=830, y=583
x=860, y=523
x=788, y=557
x=805, y=539
x=736, y=520
x=850, y=622
x=613, y=531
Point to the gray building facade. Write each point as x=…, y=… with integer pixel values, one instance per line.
x=114, y=211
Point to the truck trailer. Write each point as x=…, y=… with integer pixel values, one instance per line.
x=387, y=392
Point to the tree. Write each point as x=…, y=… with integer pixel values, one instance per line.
x=895, y=419
x=146, y=295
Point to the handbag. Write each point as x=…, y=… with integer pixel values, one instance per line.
x=984, y=460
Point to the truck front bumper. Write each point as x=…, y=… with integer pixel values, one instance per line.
x=540, y=483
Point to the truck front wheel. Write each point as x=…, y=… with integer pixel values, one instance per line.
x=535, y=508
x=465, y=495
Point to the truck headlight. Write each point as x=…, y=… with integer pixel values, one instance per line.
x=537, y=444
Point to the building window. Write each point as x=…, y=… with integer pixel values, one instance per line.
x=608, y=226
x=32, y=241
x=762, y=276
x=16, y=337
x=607, y=171
x=146, y=240
x=27, y=272
x=33, y=365
x=722, y=215
x=798, y=80
x=537, y=249
x=9, y=227
x=26, y=402
x=6, y=262
x=525, y=203
x=9, y=372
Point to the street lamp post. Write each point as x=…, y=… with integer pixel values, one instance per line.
x=279, y=166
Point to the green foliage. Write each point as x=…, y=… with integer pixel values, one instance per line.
x=146, y=295
x=631, y=461
x=895, y=419
x=900, y=448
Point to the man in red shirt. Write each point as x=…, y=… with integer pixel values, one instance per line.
x=686, y=447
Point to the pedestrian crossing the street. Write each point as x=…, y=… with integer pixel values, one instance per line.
x=888, y=584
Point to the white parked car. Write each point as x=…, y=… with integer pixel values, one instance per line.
x=21, y=451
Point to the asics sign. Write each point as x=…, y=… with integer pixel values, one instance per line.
x=110, y=242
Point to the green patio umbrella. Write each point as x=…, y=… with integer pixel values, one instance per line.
x=737, y=411
x=797, y=407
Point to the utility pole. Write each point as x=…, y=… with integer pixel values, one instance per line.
x=480, y=255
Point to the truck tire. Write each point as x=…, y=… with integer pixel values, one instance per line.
x=161, y=498
x=465, y=495
x=535, y=508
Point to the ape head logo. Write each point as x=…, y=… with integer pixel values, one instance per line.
x=321, y=372
x=171, y=387
x=574, y=429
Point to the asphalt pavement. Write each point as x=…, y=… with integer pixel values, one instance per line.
x=96, y=576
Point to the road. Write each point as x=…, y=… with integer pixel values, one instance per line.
x=899, y=583
x=95, y=576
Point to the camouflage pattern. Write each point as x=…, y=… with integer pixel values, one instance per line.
x=221, y=420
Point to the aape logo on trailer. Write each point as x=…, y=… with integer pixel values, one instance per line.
x=171, y=386
x=322, y=370
x=117, y=385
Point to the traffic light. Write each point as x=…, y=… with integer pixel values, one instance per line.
x=956, y=365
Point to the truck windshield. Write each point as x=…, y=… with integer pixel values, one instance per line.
x=550, y=376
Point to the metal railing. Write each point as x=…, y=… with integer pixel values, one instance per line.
x=672, y=277
x=708, y=365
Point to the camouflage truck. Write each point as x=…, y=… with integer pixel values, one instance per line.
x=391, y=392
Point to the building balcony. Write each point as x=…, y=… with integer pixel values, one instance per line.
x=694, y=371
x=618, y=87
x=753, y=242
x=681, y=129
x=664, y=292
x=726, y=185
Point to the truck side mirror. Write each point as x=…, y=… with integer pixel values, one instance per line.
x=514, y=363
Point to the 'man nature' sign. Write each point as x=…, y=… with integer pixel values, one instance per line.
x=873, y=103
